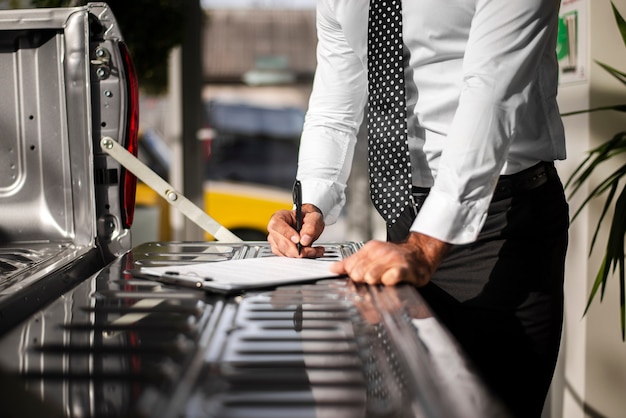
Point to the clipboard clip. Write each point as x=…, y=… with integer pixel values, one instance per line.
x=173, y=278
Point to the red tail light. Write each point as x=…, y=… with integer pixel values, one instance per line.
x=129, y=181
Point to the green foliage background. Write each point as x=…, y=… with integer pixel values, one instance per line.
x=151, y=28
x=612, y=190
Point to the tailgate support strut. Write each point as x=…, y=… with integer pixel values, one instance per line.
x=166, y=191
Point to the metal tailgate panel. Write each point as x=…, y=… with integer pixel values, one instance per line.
x=46, y=175
x=35, y=194
x=60, y=204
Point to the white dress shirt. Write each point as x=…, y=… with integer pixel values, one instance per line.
x=481, y=82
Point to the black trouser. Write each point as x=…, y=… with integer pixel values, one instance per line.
x=502, y=296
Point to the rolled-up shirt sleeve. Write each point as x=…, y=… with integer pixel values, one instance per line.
x=509, y=47
x=333, y=118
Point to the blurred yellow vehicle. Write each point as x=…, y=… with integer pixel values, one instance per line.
x=244, y=209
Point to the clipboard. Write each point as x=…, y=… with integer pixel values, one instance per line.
x=236, y=276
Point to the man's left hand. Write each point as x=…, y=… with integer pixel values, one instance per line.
x=413, y=261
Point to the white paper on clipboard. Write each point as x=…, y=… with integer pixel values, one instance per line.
x=244, y=274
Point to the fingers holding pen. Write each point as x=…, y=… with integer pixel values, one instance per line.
x=283, y=237
x=312, y=228
x=281, y=232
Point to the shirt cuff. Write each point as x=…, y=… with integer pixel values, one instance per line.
x=328, y=196
x=448, y=220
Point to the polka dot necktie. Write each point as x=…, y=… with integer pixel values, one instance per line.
x=389, y=162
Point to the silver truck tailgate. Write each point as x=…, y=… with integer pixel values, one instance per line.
x=121, y=346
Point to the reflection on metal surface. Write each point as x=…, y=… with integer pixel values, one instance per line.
x=15, y=260
x=121, y=346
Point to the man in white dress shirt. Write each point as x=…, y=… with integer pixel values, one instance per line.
x=486, y=241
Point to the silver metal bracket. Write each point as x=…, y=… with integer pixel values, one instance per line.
x=166, y=191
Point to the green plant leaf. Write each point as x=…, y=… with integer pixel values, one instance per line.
x=614, y=256
x=605, y=209
x=601, y=277
x=607, y=150
x=615, y=251
x=621, y=24
x=619, y=108
x=612, y=260
x=619, y=75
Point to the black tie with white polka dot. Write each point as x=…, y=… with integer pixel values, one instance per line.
x=389, y=162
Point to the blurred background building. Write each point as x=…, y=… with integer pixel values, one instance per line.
x=257, y=72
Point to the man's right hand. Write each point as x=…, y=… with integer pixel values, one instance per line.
x=283, y=237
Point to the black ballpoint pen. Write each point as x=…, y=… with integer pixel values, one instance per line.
x=297, y=202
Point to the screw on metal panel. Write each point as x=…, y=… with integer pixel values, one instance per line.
x=103, y=55
x=107, y=143
x=101, y=72
x=171, y=195
x=108, y=93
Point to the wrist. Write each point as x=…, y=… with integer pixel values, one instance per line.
x=432, y=248
x=308, y=207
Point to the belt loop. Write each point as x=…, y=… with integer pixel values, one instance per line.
x=418, y=197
